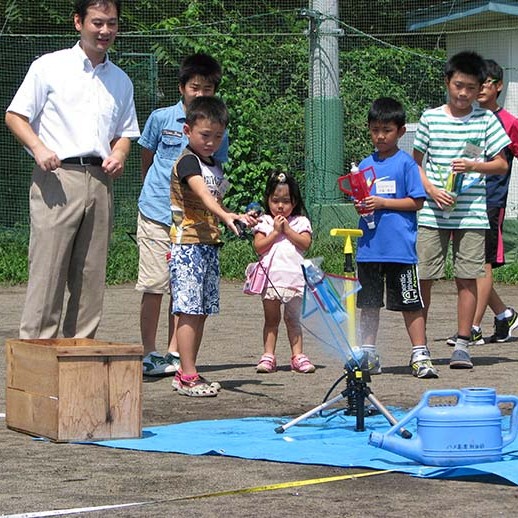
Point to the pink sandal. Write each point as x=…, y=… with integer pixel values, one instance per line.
x=194, y=387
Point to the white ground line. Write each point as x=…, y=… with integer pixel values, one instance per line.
x=77, y=510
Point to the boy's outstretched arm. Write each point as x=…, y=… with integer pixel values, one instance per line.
x=198, y=186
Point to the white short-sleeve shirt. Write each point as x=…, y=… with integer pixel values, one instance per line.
x=74, y=108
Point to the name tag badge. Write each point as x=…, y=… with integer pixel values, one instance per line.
x=386, y=187
x=172, y=133
x=472, y=151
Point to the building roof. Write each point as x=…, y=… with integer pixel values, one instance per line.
x=465, y=15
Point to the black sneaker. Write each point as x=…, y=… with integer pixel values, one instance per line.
x=475, y=339
x=504, y=328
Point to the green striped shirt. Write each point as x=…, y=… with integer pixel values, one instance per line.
x=442, y=138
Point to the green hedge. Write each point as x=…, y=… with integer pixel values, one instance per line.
x=122, y=264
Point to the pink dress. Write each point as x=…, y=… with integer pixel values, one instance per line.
x=283, y=258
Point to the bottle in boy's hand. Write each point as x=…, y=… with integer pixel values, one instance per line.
x=241, y=228
x=453, y=188
x=253, y=209
x=358, y=184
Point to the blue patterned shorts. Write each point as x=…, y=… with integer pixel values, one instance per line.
x=194, y=273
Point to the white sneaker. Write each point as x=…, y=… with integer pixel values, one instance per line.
x=154, y=364
x=173, y=360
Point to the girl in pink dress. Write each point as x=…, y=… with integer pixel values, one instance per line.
x=280, y=239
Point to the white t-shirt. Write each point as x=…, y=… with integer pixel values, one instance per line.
x=75, y=109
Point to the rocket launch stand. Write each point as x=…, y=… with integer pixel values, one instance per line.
x=356, y=369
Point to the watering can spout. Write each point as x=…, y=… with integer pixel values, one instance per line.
x=376, y=439
x=409, y=448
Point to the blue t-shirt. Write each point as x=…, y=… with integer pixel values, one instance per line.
x=163, y=134
x=394, y=238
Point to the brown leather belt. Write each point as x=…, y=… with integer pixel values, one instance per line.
x=83, y=160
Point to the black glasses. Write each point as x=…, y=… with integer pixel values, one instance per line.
x=490, y=81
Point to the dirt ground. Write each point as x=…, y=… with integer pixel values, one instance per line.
x=43, y=476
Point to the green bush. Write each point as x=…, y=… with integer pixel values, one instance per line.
x=122, y=264
x=14, y=244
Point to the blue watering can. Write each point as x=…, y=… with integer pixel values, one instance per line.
x=468, y=432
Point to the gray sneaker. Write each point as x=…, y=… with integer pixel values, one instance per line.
x=154, y=364
x=176, y=383
x=460, y=359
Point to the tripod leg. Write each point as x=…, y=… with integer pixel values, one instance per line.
x=360, y=411
x=388, y=416
x=284, y=427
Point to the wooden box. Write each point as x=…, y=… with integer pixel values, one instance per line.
x=74, y=389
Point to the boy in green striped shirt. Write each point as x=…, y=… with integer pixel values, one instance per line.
x=457, y=144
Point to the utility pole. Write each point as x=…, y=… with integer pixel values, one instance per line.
x=323, y=114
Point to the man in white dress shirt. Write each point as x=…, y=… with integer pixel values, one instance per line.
x=74, y=113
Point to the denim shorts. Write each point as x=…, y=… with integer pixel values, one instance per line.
x=194, y=273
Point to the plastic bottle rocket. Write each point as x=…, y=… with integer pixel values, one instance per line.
x=325, y=295
x=330, y=304
x=254, y=208
x=355, y=184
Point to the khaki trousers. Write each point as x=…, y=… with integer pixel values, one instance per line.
x=71, y=211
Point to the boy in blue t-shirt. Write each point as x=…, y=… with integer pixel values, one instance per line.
x=386, y=254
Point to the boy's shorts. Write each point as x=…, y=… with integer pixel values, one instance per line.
x=494, y=237
x=154, y=246
x=194, y=273
x=402, y=284
x=468, y=252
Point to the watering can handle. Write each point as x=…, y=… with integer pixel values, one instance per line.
x=510, y=436
x=424, y=402
x=441, y=393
